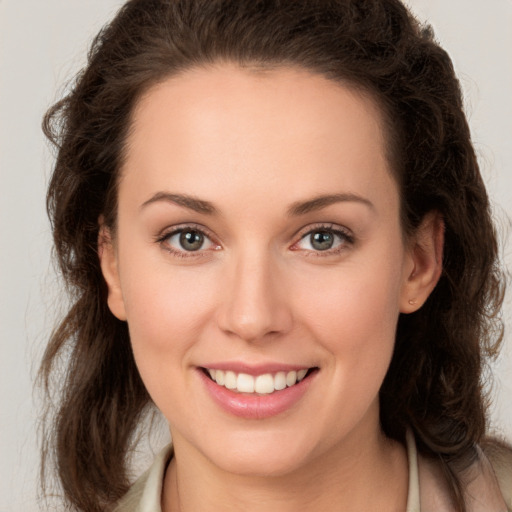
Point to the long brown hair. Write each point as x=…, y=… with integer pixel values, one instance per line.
x=434, y=383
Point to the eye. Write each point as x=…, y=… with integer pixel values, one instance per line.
x=321, y=240
x=325, y=239
x=187, y=239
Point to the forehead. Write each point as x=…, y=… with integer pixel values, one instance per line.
x=255, y=128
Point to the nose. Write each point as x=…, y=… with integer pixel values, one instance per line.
x=254, y=305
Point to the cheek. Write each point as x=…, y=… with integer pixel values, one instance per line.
x=166, y=310
x=354, y=318
x=357, y=306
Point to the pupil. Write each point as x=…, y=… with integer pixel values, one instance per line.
x=191, y=240
x=322, y=240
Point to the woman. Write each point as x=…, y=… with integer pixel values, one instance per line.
x=272, y=221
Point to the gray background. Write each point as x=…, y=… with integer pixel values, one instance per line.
x=42, y=44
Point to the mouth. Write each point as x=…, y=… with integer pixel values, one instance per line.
x=263, y=384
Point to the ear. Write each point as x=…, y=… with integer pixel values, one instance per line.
x=109, y=267
x=425, y=263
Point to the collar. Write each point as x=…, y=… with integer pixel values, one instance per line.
x=413, y=494
x=482, y=491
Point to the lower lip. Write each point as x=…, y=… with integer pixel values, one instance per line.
x=256, y=406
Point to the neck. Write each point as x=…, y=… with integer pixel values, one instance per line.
x=368, y=472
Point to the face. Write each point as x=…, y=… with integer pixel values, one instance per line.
x=260, y=264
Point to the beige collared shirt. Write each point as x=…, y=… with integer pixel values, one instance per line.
x=426, y=492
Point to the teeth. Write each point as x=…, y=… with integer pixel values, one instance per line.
x=262, y=384
x=245, y=383
x=219, y=377
x=230, y=380
x=280, y=381
x=291, y=378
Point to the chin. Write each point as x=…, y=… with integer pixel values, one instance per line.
x=258, y=466
x=262, y=456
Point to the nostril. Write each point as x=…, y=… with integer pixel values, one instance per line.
x=254, y=309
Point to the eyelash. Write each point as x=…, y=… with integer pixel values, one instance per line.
x=347, y=239
x=164, y=237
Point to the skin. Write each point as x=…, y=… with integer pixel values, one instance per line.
x=255, y=143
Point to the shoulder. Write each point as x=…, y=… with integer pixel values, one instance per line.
x=500, y=457
x=486, y=483
x=145, y=494
x=130, y=502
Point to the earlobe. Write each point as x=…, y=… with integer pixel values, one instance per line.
x=109, y=268
x=425, y=263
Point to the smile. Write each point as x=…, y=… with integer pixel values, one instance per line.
x=257, y=393
x=263, y=384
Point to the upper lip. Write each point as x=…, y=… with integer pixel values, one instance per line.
x=252, y=369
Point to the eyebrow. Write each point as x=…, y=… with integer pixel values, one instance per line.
x=317, y=203
x=190, y=202
x=296, y=209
